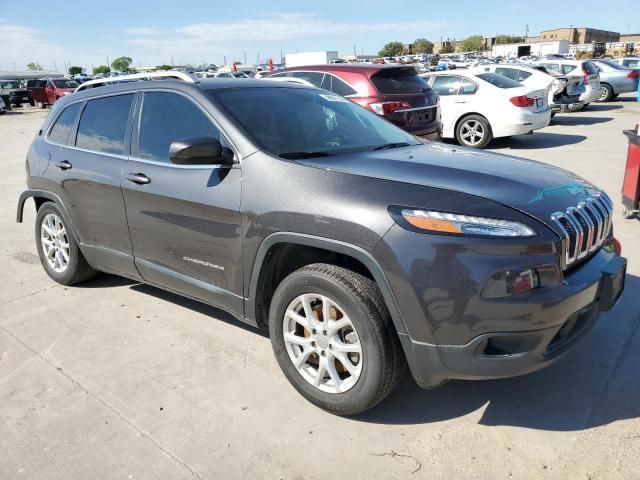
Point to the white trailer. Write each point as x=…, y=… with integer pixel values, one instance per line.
x=300, y=59
x=538, y=49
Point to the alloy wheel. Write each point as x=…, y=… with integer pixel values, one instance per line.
x=472, y=132
x=322, y=343
x=55, y=243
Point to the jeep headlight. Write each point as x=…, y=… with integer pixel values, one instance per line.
x=454, y=223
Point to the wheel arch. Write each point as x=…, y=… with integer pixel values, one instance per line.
x=470, y=114
x=267, y=266
x=40, y=197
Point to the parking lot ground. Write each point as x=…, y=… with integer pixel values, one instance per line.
x=116, y=380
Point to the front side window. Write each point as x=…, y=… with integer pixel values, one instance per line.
x=554, y=67
x=298, y=121
x=103, y=124
x=446, y=85
x=62, y=128
x=167, y=117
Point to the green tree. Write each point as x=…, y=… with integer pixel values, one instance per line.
x=34, y=66
x=237, y=62
x=474, y=43
x=447, y=48
x=391, y=49
x=101, y=69
x=121, y=64
x=164, y=67
x=422, y=45
x=505, y=39
x=75, y=70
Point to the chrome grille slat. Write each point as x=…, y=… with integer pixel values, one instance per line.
x=584, y=227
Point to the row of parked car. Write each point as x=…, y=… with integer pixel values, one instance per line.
x=475, y=105
x=41, y=92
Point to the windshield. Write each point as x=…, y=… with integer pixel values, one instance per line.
x=405, y=80
x=499, y=81
x=65, y=84
x=285, y=120
x=11, y=84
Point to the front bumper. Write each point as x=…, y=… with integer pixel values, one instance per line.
x=453, y=332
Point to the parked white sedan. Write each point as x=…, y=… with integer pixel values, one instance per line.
x=478, y=107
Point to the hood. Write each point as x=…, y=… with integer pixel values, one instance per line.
x=534, y=188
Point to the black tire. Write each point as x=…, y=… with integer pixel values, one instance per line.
x=31, y=102
x=607, y=93
x=77, y=269
x=486, y=129
x=382, y=358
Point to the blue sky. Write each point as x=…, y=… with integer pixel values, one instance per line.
x=87, y=33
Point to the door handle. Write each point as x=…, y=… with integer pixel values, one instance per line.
x=64, y=165
x=139, y=178
x=460, y=101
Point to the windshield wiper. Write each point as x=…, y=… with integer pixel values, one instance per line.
x=391, y=145
x=302, y=155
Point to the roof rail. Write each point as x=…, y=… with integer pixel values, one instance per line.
x=98, y=82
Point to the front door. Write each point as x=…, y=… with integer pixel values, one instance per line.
x=85, y=171
x=184, y=221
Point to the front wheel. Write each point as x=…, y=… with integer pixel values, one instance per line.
x=334, y=340
x=59, y=252
x=474, y=131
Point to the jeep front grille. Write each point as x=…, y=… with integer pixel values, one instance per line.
x=584, y=227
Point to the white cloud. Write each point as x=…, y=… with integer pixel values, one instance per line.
x=278, y=26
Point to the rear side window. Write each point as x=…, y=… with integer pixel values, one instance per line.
x=446, y=85
x=467, y=87
x=62, y=128
x=315, y=78
x=167, y=117
x=569, y=68
x=103, y=124
x=498, y=80
x=631, y=63
x=391, y=81
x=335, y=84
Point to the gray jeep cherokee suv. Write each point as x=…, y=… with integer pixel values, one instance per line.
x=359, y=247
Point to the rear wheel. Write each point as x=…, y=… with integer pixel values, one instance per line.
x=607, y=93
x=474, y=131
x=59, y=253
x=334, y=340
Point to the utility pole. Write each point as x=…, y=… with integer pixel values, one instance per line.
x=355, y=52
x=225, y=59
x=245, y=57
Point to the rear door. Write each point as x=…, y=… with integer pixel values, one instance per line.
x=447, y=86
x=87, y=165
x=184, y=220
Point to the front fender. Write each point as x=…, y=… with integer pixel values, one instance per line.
x=332, y=245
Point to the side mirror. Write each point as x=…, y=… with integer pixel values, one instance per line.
x=199, y=151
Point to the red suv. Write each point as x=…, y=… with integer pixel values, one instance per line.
x=46, y=91
x=394, y=92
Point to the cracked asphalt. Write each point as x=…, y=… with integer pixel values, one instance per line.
x=117, y=380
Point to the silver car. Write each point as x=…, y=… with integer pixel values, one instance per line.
x=629, y=62
x=615, y=79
